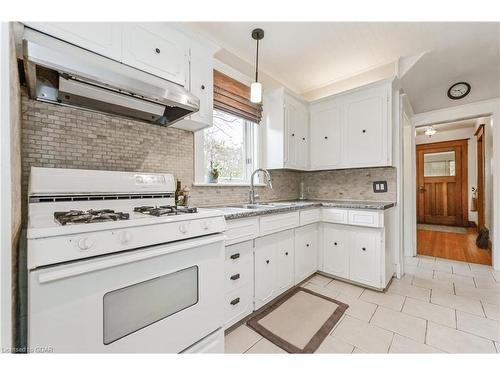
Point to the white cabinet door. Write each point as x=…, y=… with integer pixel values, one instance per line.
x=104, y=38
x=264, y=268
x=365, y=258
x=326, y=135
x=157, y=49
x=284, y=254
x=201, y=85
x=336, y=250
x=306, y=252
x=296, y=134
x=366, y=127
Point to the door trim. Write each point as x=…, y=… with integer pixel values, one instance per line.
x=480, y=159
x=462, y=143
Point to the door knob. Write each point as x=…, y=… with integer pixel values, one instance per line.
x=421, y=189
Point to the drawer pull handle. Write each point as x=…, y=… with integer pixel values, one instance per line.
x=235, y=277
x=363, y=248
x=235, y=301
x=335, y=243
x=235, y=256
x=157, y=50
x=267, y=261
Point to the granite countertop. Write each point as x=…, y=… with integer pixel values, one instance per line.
x=267, y=208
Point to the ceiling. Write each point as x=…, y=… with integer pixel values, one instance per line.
x=306, y=56
x=456, y=125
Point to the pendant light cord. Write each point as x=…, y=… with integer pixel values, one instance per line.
x=257, y=63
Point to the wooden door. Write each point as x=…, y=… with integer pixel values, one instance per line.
x=480, y=176
x=442, y=183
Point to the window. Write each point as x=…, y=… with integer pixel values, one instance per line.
x=231, y=146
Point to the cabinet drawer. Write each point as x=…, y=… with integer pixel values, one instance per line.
x=238, y=273
x=277, y=223
x=240, y=230
x=366, y=218
x=237, y=305
x=310, y=216
x=335, y=215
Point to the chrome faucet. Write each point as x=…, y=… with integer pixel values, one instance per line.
x=252, y=194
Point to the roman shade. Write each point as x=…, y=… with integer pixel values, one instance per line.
x=233, y=97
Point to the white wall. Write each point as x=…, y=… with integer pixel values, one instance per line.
x=455, y=134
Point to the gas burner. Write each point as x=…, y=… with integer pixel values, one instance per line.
x=90, y=216
x=165, y=210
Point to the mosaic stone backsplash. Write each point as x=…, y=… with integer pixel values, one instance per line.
x=56, y=136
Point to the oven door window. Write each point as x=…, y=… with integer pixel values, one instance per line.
x=134, y=307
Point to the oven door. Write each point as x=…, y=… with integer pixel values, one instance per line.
x=158, y=299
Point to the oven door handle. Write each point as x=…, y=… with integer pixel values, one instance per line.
x=117, y=260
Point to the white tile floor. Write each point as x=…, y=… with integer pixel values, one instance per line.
x=440, y=305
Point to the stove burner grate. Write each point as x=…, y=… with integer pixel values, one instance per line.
x=165, y=210
x=90, y=216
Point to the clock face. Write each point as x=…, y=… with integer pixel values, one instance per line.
x=458, y=90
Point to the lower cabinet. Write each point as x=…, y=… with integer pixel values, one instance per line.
x=354, y=253
x=306, y=252
x=238, y=283
x=273, y=266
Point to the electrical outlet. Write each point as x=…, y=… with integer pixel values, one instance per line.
x=380, y=186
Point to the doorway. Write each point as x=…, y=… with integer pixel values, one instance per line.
x=451, y=188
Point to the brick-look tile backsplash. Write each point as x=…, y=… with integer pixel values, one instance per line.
x=62, y=137
x=354, y=184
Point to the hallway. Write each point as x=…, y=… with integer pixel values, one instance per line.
x=455, y=246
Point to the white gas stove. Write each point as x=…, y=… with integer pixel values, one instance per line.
x=115, y=266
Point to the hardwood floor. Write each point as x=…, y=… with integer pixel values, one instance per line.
x=454, y=246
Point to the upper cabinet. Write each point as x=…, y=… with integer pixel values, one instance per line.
x=285, y=131
x=154, y=49
x=353, y=130
x=347, y=130
x=104, y=38
x=166, y=51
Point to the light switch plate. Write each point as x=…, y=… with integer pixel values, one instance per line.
x=380, y=186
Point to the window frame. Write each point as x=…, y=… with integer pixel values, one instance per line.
x=252, y=140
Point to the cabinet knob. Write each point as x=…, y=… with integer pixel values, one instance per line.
x=307, y=245
x=203, y=87
x=303, y=138
x=335, y=243
x=235, y=301
x=267, y=261
x=157, y=50
x=286, y=253
x=364, y=131
x=326, y=137
x=293, y=134
x=363, y=248
x=235, y=256
x=235, y=277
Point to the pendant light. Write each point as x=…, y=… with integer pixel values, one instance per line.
x=256, y=87
x=430, y=131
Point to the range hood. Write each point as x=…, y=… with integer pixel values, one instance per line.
x=64, y=74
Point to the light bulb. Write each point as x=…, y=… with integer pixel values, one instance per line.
x=256, y=92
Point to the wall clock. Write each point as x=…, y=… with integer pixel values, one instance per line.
x=458, y=90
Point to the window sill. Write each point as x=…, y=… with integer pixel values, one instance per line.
x=223, y=184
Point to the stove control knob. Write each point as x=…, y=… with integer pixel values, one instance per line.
x=85, y=243
x=183, y=228
x=125, y=237
x=205, y=224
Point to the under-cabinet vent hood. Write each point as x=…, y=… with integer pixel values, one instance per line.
x=62, y=73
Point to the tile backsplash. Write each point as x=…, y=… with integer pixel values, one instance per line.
x=62, y=137
x=356, y=184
